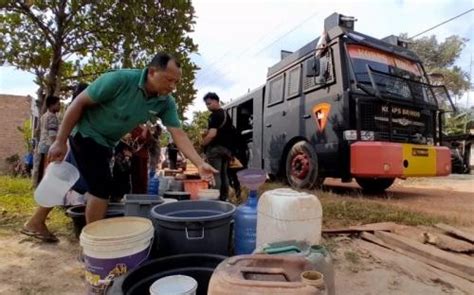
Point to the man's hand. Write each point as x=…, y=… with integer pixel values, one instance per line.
x=57, y=151
x=206, y=172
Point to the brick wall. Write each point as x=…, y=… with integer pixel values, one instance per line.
x=14, y=110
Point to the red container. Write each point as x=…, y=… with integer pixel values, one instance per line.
x=193, y=186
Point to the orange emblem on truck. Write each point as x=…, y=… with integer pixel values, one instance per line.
x=321, y=113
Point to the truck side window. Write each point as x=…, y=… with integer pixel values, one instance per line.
x=293, y=85
x=326, y=72
x=276, y=90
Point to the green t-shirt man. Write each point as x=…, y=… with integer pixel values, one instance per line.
x=123, y=104
x=98, y=117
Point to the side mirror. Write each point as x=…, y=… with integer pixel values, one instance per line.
x=313, y=67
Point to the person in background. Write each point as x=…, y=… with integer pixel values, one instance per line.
x=154, y=150
x=112, y=106
x=216, y=142
x=49, y=125
x=172, y=151
x=121, y=172
x=140, y=137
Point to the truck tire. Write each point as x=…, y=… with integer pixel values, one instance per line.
x=301, y=167
x=375, y=185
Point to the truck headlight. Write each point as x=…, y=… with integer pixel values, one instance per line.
x=364, y=135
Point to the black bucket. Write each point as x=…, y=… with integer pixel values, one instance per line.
x=198, y=266
x=193, y=227
x=78, y=215
x=180, y=196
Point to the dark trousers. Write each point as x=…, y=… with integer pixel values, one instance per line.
x=139, y=174
x=234, y=181
x=218, y=157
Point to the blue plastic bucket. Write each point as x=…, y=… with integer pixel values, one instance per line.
x=112, y=247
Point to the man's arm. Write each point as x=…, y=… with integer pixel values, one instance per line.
x=73, y=113
x=211, y=134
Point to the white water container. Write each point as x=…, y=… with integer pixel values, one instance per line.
x=285, y=214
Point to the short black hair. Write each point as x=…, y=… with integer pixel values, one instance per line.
x=211, y=95
x=51, y=99
x=78, y=89
x=161, y=59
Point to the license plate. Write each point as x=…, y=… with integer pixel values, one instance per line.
x=419, y=152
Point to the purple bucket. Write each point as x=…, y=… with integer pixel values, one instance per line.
x=112, y=247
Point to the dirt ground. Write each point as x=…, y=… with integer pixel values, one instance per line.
x=29, y=267
x=451, y=197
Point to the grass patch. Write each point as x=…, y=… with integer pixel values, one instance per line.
x=342, y=210
x=17, y=205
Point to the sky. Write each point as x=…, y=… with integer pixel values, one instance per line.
x=240, y=39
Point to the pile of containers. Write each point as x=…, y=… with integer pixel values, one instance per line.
x=276, y=240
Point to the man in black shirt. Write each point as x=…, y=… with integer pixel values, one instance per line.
x=217, y=141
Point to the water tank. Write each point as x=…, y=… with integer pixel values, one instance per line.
x=285, y=214
x=245, y=225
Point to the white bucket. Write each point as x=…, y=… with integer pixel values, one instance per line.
x=113, y=247
x=58, y=179
x=174, y=285
x=208, y=194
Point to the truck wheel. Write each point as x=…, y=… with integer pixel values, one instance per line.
x=302, y=166
x=375, y=185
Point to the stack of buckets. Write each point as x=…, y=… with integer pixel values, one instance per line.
x=112, y=247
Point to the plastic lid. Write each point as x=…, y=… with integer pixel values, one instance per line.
x=174, y=285
x=119, y=228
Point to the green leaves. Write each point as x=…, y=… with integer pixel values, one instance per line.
x=197, y=126
x=65, y=42
x=440, y=57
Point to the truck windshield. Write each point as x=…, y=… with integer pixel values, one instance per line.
x=393, y=76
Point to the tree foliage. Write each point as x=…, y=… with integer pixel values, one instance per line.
x=27, y=134
x=440, y=57
x=460, y=122
x=196, y=127
x=62, y=42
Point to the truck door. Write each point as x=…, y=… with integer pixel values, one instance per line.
x=274, y=136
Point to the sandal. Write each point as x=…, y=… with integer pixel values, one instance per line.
x=47, y=238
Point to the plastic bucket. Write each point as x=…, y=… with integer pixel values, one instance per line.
x=78, y=215
x=58, y=179
x=193, y=227
x=193, y=186
x=198, y=266
x=174, y=285
x=208, y=194
x=140, y=204
x=112, y=247
x=179, y=196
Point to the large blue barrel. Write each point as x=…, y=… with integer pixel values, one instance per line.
x=245, y=226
